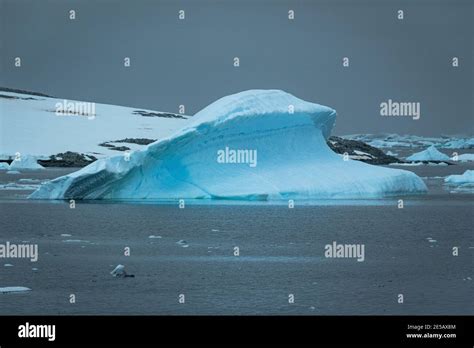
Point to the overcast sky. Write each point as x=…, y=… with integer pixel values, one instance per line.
x=190, y=61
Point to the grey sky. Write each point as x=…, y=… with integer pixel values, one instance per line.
x=190, y=61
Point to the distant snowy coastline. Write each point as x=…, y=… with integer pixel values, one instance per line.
x=56, y=140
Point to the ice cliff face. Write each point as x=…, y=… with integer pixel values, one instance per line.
x=212, y=156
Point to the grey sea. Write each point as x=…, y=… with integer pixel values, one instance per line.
x=229, y=258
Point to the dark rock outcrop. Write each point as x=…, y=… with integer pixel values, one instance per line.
x=158, y=114
x=68, y=159
x=367, y=153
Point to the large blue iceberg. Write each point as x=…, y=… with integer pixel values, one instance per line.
x=256, y=145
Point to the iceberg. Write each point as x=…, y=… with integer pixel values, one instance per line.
x=288, y=134
x=467, y=178
x=25, y=162
x=466, y=157
x=4, y=166
x=430, y=154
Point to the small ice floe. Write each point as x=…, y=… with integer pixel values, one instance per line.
x=183, y=243
x=15, y=186
x=312, y=308
x=34, y=269
x=407, y=164
x=75, y=241
x=467, y=278
x=8, y=265
x=437, y=164
x=11, y=289
x=119, y=272
x=13, y=172
x=214, y=230
x=66, y=235
x=463, y=183
x=154, y=237
x=464, y=157
x=29, y=181
x=432, y=240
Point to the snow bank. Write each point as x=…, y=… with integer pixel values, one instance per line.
x=35, y=128
x=288, y=135
x=430, y=154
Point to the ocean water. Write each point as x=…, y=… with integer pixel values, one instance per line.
x=281, y=255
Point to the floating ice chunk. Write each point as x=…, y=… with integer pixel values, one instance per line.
x=13, y=172
x=118, y=271
x=467, y=178
x=29, y=181
x=411, y=164
x=183, y=243
x=8, y=265
x=4, y=166
x=465, y=157
x=154, y=237
x=75, y=241
x=464, y=143
x=15, y=186
x=11, y=289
